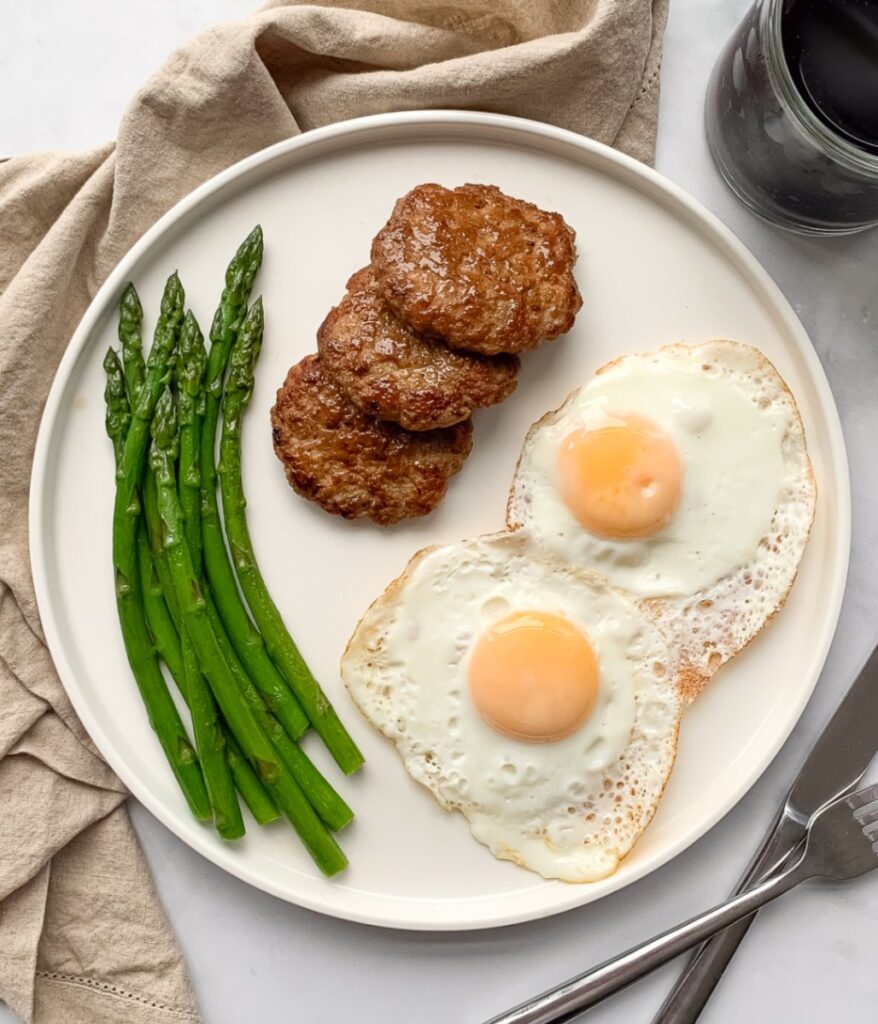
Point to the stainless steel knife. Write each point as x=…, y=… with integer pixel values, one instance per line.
x=837, y=761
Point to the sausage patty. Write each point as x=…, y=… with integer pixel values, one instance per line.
x=392, y=372
x=486, y=272
x=354, y=465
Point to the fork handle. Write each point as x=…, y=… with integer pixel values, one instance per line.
x=562, y=1004
x=696, y=984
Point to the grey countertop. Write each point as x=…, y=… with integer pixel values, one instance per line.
x=255, y=958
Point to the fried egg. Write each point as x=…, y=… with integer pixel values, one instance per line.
x=682, y=476
x=528, y=695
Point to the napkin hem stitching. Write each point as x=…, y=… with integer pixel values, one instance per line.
x=646, y=86
x=120, y=993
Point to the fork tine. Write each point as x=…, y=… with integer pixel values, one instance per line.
x=867, y=814
x=866, y=795
x=860, y=802
x=864, y=806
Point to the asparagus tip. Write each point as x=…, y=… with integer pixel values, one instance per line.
x=164, y=421
x=249, y=251
x=129, y=303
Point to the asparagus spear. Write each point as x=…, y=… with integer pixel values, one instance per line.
x=118, y=420
x=165, y=622
x=160, y=623
x=333, y=810
x=328, y=804
x=118, y=409
x=214, y=766
x=133, y=368
x=167, y=641
x=257, y=798
x=323, y=798
x=208, y=737
x=191, y=365
x=161, y=709
x=245, y=637
x=281, y=647
x=239, y=715
x=131, y=339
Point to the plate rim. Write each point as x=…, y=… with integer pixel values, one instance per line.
x=684, y=203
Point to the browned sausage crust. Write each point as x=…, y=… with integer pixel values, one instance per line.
x=354, y=465
x=485, y=272
x=392, y=372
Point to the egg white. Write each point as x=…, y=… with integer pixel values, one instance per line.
x=722, y=566
x=569, y=809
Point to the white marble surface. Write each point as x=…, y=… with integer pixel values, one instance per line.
x=255, y=958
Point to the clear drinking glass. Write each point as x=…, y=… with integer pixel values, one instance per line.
x=782, y=160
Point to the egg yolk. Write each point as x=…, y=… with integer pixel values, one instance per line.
x=534, y=677
x=621, y=481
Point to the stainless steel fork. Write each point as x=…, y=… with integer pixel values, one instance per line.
x=842, y=842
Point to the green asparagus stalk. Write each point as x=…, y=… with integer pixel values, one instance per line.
x=209, y=737
x=257, y=798
x=160, y=707
x=158, y=369
x=246, y=640
x=240, y=274
x=275, y=693
x=133, y=368
x=333, y=810
x=118, y=409
x=159, y=620
x=167, y=641
x=192, y=363
x=211, y=751
x=131, y=339
x=191, y=366
x=281, y=647
x=239, y=715
x=209, y=741
x=165, y=623
x=118, y=420
x=211, y=746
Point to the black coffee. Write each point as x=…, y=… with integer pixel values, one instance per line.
x=831, y=49
x=792, y=68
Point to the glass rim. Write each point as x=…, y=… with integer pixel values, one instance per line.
x=835, y=145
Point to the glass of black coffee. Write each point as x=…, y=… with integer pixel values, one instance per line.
x=792, y=114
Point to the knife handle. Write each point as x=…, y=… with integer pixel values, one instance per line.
x=695, y=986
x=560, y=1005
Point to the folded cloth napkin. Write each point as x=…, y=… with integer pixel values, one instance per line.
x=82, y=934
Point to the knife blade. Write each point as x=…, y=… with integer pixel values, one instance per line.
x=843, y=751
x=835, y=764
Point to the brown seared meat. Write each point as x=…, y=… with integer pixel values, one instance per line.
x=354, y=465
x=390, y=371
x=485, y=272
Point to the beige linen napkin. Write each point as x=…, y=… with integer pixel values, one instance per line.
x=82, y=935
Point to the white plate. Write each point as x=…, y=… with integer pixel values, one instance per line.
x=654, y=268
